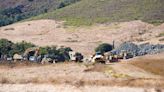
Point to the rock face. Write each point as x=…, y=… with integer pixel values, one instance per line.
x=150, y=49
x=139, y=50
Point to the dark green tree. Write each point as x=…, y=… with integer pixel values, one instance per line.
x=21, y=47
x=5, y=46
x=104, y=47
x=61, y=5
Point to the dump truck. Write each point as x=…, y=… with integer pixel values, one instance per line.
x=75, y=56
x=115, y=57
x=110, y=57
x=98, y=58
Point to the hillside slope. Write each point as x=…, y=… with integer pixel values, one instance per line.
x=87, y=12
x=31, y=4
x=12, y=11
x=82, y=39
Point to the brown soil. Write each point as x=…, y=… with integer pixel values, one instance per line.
x=152, y=63
x=83, y=39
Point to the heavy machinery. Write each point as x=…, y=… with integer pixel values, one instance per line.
x=110, y=57
x=47, y=60
x=31, y=53
x=113, y=57
x=17, y=57
x=98, y=58
x=75, y=56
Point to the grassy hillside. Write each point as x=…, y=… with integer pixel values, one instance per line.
x=15, y=10
x=87, y=12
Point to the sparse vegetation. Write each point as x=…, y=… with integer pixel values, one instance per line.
x=8, y=48
x=67, y=74
x=23, y=10
x=154, y=66
x=65, y=3
x=4, y=80
x=161, y=35
x=87, y=12
x=162, y=39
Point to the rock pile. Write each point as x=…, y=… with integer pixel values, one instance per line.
x=139, y=50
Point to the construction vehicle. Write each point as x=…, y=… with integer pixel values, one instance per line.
x=125, y=55
x=31, y=53
x=110, y=57
x=113, y=57
x=98, y=58
x=75, y=56
x=47, y=60
x=17, y=57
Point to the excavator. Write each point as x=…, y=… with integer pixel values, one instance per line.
x=31, y=53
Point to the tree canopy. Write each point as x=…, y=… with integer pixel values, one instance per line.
x=104, y=47
x=9, y=48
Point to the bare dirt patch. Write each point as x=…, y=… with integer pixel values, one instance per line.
x=82, y=39
x=18, y=64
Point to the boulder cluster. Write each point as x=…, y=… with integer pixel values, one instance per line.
x=139, y=50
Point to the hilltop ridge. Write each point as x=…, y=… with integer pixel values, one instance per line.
x=87, y=12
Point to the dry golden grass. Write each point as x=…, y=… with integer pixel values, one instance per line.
x=18, y=64
x=155, y=66
x=74, y=74
x=4, y=80
x=96, y=68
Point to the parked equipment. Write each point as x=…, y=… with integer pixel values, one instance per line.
x=31, y=53
x=75, y=56
x=98, y=58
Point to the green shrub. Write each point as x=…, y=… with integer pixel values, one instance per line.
x=64, y=53
x=9, y=48
x=17, y=13
x=61, y=54
x=161, y=35
x=21, y=47
x=65, y=3
x=5, y=46
x=104, y=47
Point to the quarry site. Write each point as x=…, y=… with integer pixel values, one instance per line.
x=81, y=46
x=142, y=73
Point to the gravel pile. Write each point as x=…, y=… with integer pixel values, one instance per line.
x=139, y=50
